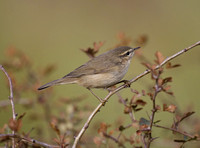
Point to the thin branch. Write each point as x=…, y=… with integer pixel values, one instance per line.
x=27, y=140
x=177, y=131
x=97, y=109
x=11, y=100
x=131, y=114
x=157, y=90
x=116, y=140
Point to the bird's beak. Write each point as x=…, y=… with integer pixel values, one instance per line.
x=136, y=48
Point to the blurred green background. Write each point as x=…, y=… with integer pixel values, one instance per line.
x=53, y=32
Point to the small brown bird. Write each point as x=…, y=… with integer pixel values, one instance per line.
x=102, y=71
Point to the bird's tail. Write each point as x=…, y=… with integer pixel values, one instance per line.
x=56, y=82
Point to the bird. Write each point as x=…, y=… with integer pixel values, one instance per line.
x=102, y=71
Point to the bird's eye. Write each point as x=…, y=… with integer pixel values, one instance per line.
x=128, y=53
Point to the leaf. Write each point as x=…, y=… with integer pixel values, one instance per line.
x=97, y=46
x=152, y=69
x=140, y=102
x=111, y=132
x=134, y=91
x=123, y=39
x=166, y=80
x=127, y=110
x=15, y=125
x=49, y=69
x=158, y=107
x=21, y=116
x=91, y=51
x=141, y=40
x=169, y=65
x=166, y=88
x=103, y=128
x=147, y=65
x=160, y=57
x=171, y=108
x=133, y=99
x=55, y=128
x=138, y=109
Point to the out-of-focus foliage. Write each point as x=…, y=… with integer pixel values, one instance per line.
x=35, y=34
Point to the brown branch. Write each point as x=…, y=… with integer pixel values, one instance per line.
x=157, y=90
x=97, y=109
x=177, y=131
x=116, y=140
x=27, y=140
x=11, y=100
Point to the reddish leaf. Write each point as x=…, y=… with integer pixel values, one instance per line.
x=15, y=125
x=147, y=65
x=92, y=51
x=166, y=80
x=170, y=93
x=141, y=40
x=49, y=69
x=158, y=107
x=159, y=57
x=127, y=110
x=133, y=99
x=124, y=40
x=171, y=108
x=169, y=65
x=166, y=88
x=111, y=132
x=97, y=46
x=134, y=91
x=55, y=128
x=103, y=128
x=140, y=102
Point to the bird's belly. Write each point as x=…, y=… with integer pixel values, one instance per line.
x=100, y=80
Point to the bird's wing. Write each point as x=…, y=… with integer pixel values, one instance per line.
x=94, y=66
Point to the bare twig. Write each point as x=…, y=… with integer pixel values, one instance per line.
x=97, y=109
x=131, y=114
x=116, y=140
x=27, y=140
x=157, y=90
x=177, y=131
x=11, y=100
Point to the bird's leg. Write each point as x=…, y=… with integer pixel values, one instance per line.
x=126, y=82
x=96, y=96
